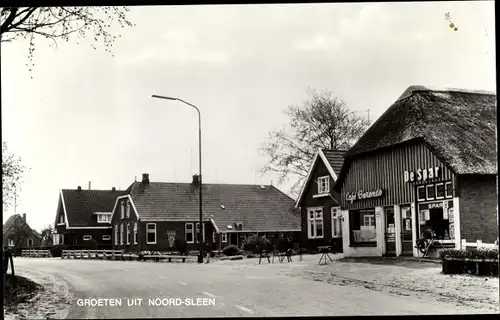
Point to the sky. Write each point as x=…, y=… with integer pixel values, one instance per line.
x=88, y=116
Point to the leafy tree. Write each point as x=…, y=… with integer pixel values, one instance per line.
x=324, y=121
x=47, y=236
x=64, y=23
x=12, y=173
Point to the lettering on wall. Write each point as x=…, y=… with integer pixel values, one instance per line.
x=360, y=195
x=422, y=174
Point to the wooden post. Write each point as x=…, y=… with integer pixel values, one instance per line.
x=464, y=244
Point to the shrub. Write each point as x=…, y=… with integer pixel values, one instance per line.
x=56, y=250
x=90, y=244
x=469, y=254
x=181, y=246
x=231, y=250
x=254, y=243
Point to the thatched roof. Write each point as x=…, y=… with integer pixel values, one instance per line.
x=458, y=125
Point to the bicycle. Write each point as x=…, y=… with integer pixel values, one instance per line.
x=427, y=243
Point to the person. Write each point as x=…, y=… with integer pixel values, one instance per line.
x=208, y=249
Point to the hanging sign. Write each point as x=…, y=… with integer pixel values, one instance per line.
x=422, y=174
x=360, y=195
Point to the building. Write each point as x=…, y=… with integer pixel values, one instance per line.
x=428, y=163
x=319, y=204
x=153, y=215
x=84, y=215
x=17, y=234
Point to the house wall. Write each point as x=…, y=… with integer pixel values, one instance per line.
x=326, y=202
x=20, y=237
x=118, y=221
x=478, y=208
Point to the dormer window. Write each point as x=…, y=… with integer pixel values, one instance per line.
x=103, y=218
x=323, y=185
x=122, y=209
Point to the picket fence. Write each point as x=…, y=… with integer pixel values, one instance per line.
x=478, y=244
x=36, y=253
x=95, y=254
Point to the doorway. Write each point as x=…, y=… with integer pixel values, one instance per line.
x=390, y=232
x=406, y=231
x=233, y=239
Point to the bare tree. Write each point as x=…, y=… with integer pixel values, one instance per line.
x=324, y=121
x=12, y=173
x=64, y=23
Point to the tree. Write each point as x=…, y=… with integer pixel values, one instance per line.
x=12, y=173
x=47, y=236
x=61, y=23
x=324, y=121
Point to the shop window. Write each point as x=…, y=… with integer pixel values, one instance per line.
x=315, y=223
x=435, y=220
x=440, y=190
x=421, y=193
x=431, y=192
x=323, y=185
x=336, y=223
x=363, y=226
x=449, y=190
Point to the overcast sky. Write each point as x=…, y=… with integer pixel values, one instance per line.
x=87, y=116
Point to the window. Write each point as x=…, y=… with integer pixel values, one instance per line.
x=421, y=193
x=224, y=237
x=151, y=233
x=122, y=209
x=116, y=234
x=61, y=239
x=135, y=232
x=61, y=219
x=30, y=243
x=189, y=233
x=336, y=223
x=87, y=238
x=449, y=190
x=363, y=226
x=127, y=212
x=121, y=233
x=128, y=233
x=440, y=190
x=436, y=220
x=213, y=236
x=103, y=218
x=106, y=237
x=323, y=185
x=315, y=223
x=198, y=232
x=11, y=243
x=430, y=192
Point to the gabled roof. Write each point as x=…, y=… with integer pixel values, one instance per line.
x=258, y=208
x=80, y=205
x=458, y=125
x=9, y=225
x=332, y=159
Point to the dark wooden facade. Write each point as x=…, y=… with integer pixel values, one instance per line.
x=385, y=170
x=326, y=202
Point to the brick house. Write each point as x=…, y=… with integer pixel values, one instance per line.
x=319, y=203
x=152, y=215
x=84, y=215
x=428, y=163
x=17, y=234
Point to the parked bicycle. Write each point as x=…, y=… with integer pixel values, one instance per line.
x=427, y=243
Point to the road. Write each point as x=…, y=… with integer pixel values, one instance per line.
x=239, y=290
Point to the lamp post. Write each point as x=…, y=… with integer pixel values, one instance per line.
x=200, y=256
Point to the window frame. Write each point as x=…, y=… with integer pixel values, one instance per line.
x=128, y=233
x=122, y=209
x=89, y=237
x=314, y=222
x=446, y=190
x=127, y=209
x=224, y=237
x=116, y=235
x=135, y=231
x=103, y=218
x=197, y=231
x=427, y=188
x=106, y=236
x=61, y=219
x=192, y=232
x=418, y=194
x=121, y=234
x=436, y=191
x=11, y=243
x=336, y=219
x=148, y=231
x=327, y=185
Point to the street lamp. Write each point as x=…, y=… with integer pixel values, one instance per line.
x=200, y=256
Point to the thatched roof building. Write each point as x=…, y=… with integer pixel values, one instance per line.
x=459, y=126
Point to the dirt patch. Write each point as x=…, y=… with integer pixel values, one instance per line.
x=17, y=291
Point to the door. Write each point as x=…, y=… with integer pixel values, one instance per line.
x=390, y=231
x=406, y=231
x=233, y=239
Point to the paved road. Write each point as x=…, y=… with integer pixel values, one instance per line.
x=239, y=290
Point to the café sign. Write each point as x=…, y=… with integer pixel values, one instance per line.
x=360, y=195
x=422, y=174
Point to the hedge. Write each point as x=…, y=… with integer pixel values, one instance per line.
x=479, y=254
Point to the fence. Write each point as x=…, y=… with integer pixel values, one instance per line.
x=36, y=253
x=478, y=244
x=96, y=254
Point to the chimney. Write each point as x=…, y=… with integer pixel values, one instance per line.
x=89, y=185
x=24, y=217
x=145, y=178
x=196, y=179
x=113, y=189
x=79, y=188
